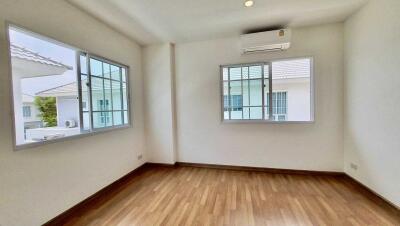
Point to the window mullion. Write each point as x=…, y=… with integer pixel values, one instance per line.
x=270, y=91
x=262, y=91
x=229, y=92
x=90, y=104
x=80, y=96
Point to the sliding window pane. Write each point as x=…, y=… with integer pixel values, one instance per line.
x=235, y=73
x=117, y=116
x=255, y=72
x=115, y=73
x=106, y=70
x=98, y=103
x=225, y=74
x=255, y=113
x=116, y=95
x=292, y=90
x=124, y=96
x=96, y=68
x=126, y=117
x=236, y=100
x=123, y=73
x=107, y=95
x=98, y=120
x=255, y=87
x=226, y=100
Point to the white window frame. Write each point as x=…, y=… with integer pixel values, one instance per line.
x=84, y=133
x=270, y=87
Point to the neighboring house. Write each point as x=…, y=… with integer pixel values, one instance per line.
x=27, y=64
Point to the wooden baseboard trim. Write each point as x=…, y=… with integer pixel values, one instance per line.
x=260, y=169
x=109, y=189
x=161, y=164
x=372, y=194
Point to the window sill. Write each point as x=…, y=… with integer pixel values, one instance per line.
x=73, y=137
x=265, y=122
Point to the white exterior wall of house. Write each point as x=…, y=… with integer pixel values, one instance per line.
x=67, y=109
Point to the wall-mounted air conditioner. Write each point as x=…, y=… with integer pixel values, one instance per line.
x=277, y=40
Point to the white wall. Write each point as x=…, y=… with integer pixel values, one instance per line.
x=203, y=139
x=39, y=183
x=158, y=69
x=372, y=97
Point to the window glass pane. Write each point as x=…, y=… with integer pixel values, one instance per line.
x=123, y=71
x=226, y=101
x=126, y=117
x=86, y=125
x=106, y=70
x=115, y=73
x=245, y=72
x=124, y=96
x=117, y=115
x=83, y=64
x=99, y=120
x=98, y=103
x=225, y=74
x=107, y=95
x=96, y=68
x=255, y=72
x=236, y=99
x=255, y=93
x=292, y=90
x=116, y=95
x=235, y=73
x=255, y=113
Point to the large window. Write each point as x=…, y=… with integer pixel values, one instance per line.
x=57, y=94
x=247, y=87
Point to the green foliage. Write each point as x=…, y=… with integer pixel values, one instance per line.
x=48, y=110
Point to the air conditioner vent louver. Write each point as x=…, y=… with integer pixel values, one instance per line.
x=266, y=41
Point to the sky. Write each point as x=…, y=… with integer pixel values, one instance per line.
x=56, y=52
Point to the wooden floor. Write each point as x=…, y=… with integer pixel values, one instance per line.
x=198, y=196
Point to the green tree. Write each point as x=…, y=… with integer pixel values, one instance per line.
x=48, y=110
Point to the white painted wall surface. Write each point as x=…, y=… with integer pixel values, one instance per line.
x=372, y=97
x=203, y=138
x=40, y=183
x=158, y=71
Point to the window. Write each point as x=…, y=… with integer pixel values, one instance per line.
x=106, y=89
x=246, y=91
x=68, y=96
x=26, y=110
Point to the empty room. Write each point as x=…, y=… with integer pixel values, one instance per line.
x=199, y=112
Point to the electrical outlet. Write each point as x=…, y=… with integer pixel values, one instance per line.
x=139, y=157
x=354, y=166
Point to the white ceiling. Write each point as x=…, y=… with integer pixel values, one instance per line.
x=154, y=21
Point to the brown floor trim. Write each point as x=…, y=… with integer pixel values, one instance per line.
x=372, y=194
x=119, y=184
x=110, y=189
x=260, y=169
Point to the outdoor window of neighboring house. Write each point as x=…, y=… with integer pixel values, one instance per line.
x=26, y=111
x=69, y=96
x=246, y=91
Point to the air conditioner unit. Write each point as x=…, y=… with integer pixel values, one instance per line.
x=277, y=40
x=70, y=124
